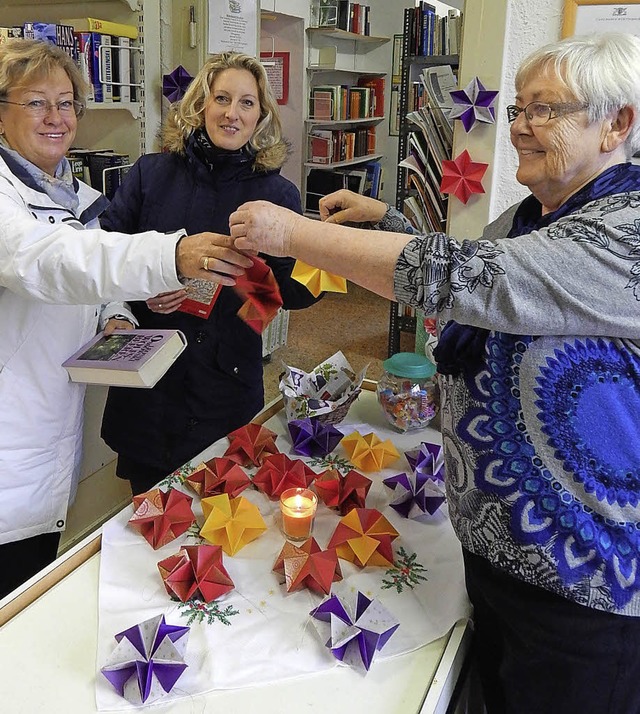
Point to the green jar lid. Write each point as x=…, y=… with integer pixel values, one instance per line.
x=410, y=365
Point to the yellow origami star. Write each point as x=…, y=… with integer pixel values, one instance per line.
x=368, y=452
x=231, y=523
x=317, y=280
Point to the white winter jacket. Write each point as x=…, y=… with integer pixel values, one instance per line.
x=56, y=269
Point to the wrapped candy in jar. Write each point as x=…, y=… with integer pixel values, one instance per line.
x=408, y=392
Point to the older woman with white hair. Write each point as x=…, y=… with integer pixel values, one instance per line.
x=540, y=376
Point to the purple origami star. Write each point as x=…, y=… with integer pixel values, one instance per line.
x=175, y=84
x=358, y=630
x=312, y=437
x=473, y=104
x=427, y=459
x=148, y=660
x=421, y=493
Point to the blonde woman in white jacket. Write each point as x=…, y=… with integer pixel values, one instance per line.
x=57, y=271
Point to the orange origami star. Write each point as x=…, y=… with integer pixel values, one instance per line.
x=161, y=516
x=278, y=473
x=317, y=280
x=462, y=176
x=218, y=475
x=195, y=571
x=368, y=452
x=260, y=291
x=231, y=523
x=308, y=566
x=251, y=444
x=342, y=492
x=364, y=537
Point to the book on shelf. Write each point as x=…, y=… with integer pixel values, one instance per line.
x=127, y=358
x=104, y=27
x=104, y=66
x=321, y=104
x=321, y=146
x=376, y=85
x=85, y=61
x=202, y=296
x=106, y=169
x=77, y=154
x=10, y=33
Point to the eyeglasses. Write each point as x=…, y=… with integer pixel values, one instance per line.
x=40, y=107
x=539, y=113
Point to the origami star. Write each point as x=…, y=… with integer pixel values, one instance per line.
x=175, y=84
x=308, y=566
x=342, y=492
x=368, y=452
x=260, y=291
x=357, y=631
x=278, y=473
x=364, y=537
x=417, y=497
x=473, y=104
x=251, y=444
x=428, y=459
x=195, y=571
x=311, y=437
x=161, y=516
x=317, y=280
x=231, y=523
x=148, y=660
x=218, y=475
x=462, y=177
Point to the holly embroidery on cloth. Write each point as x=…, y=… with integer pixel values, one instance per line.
x=331, y=461
x=177, y=477
x=198, y=610
x=405, y=574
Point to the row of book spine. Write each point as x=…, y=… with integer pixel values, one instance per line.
x=103, y=169
x=336, y=145
x=432, y=34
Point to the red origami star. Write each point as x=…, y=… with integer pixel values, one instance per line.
x=218, y=475
x=278, y=473
x=342, y=492
x=462, y=177
x=161, y=516
x=260, y=291
x=195, y=571
x=251, y=444
x=308, y=566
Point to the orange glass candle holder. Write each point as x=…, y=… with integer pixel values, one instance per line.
x=298, y=508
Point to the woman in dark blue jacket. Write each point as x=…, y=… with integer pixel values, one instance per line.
x=223, y=147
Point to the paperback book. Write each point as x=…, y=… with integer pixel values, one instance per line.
x=127, y=358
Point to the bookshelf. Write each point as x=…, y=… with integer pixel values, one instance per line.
x=415, y=138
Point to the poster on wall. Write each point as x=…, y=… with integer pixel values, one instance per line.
x=582, y=17
x=233, y=25
x=276, y=65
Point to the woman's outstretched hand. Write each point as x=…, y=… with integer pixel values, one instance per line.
x=346, y=206
x=264, y=227
x=210, y=256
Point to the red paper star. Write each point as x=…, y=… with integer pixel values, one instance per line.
x=195, y=571
x=218, y=475
x=308, y=566
x=161, y=516
x=251, y=444
x=260, y=291
x=462, y=177
x=278, y=473
x=342, y=492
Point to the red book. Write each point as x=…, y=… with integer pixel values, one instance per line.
x=202, y=297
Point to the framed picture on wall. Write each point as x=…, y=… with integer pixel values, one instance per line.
x=582, y=17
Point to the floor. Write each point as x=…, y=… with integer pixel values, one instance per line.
x=357, y=323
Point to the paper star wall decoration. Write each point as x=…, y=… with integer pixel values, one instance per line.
x=473, y=104
x=161, y=516
x=364, y=537
x=259, y=289
x=251, y=444
x=317, y=280
x=176, y=83
x=231, y=523
x=368, y=452
x=147, y=661
x=278, y=473
x=218, y=475
x=358, y=630
x=462, y=176
x=308, y=566
x=311, y=437
x=195, y=571
x=342, y=492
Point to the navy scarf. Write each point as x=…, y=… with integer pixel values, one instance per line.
x=460, y=348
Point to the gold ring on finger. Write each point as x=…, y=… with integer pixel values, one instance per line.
x=205, y=263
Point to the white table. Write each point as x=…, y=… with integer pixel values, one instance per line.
x=48, y=658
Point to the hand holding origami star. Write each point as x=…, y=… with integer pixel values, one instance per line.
x=317, y=280
x=342, y=492
x=308, y=566
x=195, y=571
x=473, y=104
x=462, y=176
x=364, y=537
x=148, y=660
x=260, y=291
x=251, y=444
x=369, y=452
x=357, y=631
x=176, y=83
x=231, y=523
x=218, y=475
x=311, y=437
x=161, y=516
x=278, y=473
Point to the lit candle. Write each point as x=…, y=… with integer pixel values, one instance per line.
x=298, y=507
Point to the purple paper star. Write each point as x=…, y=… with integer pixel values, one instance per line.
x=473, y=104
x=312, y=437
x=427, y=459
x=175, y=84
x=418, y=496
